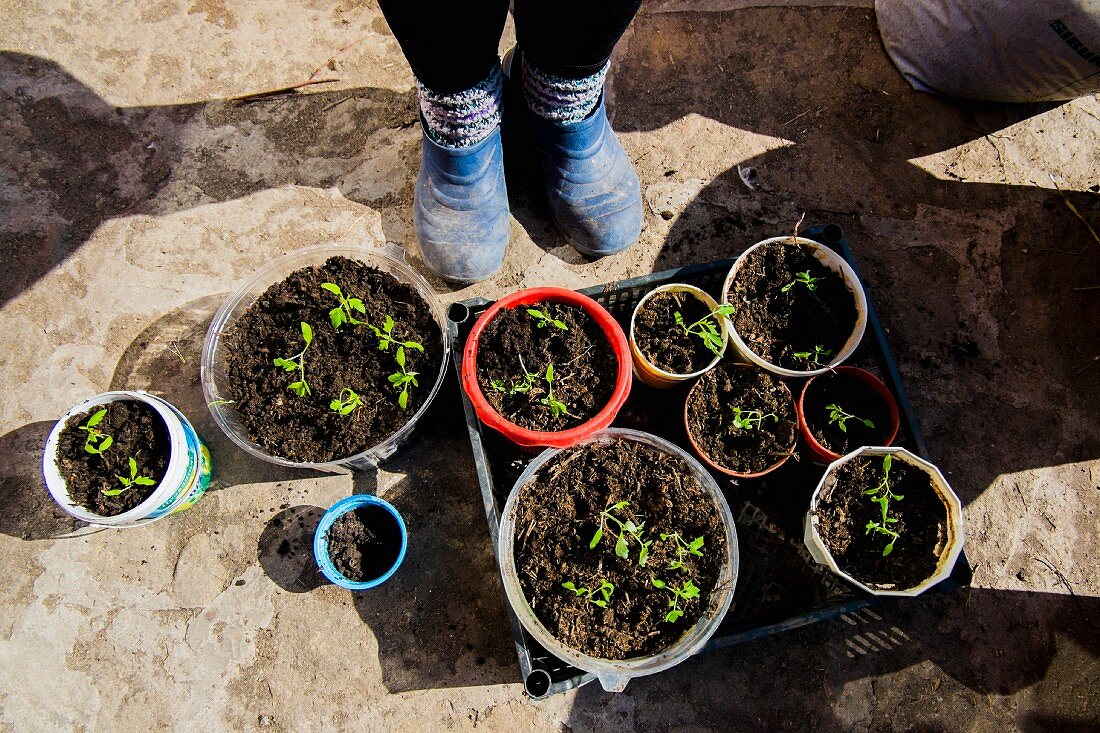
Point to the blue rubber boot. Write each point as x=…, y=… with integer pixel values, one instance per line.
x=460, y=209
x=593, y=190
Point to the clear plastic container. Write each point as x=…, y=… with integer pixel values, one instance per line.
x=184, y=482
x=615, y=674
x=390, y=259
x=829, y=259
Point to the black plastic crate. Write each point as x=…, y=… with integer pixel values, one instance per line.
x=779, y=586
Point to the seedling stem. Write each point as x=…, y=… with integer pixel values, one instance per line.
x=605, y=589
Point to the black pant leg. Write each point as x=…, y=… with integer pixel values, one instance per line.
x=451, y=46
x=571, y=38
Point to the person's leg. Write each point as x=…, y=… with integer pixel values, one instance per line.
x=593, y=190
x=460, y=204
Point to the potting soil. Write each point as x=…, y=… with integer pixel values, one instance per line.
x=559, y=512
x=664, y=342
x=306, y=428
x=514, y=353
x=137, y=432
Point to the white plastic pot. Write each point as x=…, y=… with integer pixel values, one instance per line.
x=829, y=259
x=649, y=372
x=389, y=259
x=184, y=482
x=952, y=547
x=615, y=674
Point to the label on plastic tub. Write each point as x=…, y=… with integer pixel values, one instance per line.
x=196, y=475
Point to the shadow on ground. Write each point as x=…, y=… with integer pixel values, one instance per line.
x=29, y=511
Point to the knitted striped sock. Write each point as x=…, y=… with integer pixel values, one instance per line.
x=464, y=118
x=559, y=99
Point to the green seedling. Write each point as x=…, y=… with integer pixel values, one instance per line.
x=626, y=529
x=133, y=480
x=403, y=379
x=882, y=495
x=815, y=356
x=805, y=278
x=297, y=363
x=839, y=416
x=385, y=336
x=683, y=549
x=96, y=441
x=685, y=592
x=750, y=419
x=705, y=328
x=545, y=320
x=557, y=407
x=522, y=386
x=347, y=401
x=345, y=312
x=605, y=589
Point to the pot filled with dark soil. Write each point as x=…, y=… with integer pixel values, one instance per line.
x=619, y=555
x=741, y=420
x=844, y=409
x=546, y=367
x=360, y=542
x=125, y=459
x=677, y=332
x=886, y=521
x=327, y=358
x=798, y=306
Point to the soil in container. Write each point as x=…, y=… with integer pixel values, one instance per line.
x=364, y=543
x=844, y=512
x=547, y=373
x=594, y=487
x=666, y=343
x=304, y=425
x=800, y=327
x=136, y=431
x=854, y=398
x=764, y=409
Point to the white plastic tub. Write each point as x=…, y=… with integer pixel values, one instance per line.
x=184, y=482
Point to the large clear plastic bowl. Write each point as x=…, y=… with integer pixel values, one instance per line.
x=391, y=259
x=615, y=674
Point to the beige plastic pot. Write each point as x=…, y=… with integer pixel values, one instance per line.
x=829, y=259
x=948, y=555
x=652, y=374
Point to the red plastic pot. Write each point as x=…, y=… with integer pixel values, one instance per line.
x=820, y=453
x=523, y=437
x=707, y=459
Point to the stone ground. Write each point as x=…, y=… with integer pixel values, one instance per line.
x=135, y=197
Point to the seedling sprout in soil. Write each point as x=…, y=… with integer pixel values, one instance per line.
x=343, y=313
x=626, y=529
x=683, y=549
x=749, y=419
x=839, y=416
x=685, y=592
x=804, y=278
x=297, y=363
x=385, y=336
x=705, y=328
x=403, y=379
x=557, y=407
x=815, y=356
x=96, y=441
x=545, y=320
x=522, y=386
x=133, y=480
x=346, y=402
x=605, y=589
x=882, y=495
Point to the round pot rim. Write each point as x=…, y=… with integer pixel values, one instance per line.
x=710, y=461
x=879, y=387
x=614, y=674
x=58, y=487
x=554, y=439
x=389, y=258
x=851, y=280
x=320, y=541
x=707, y=300
x=952, y=549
